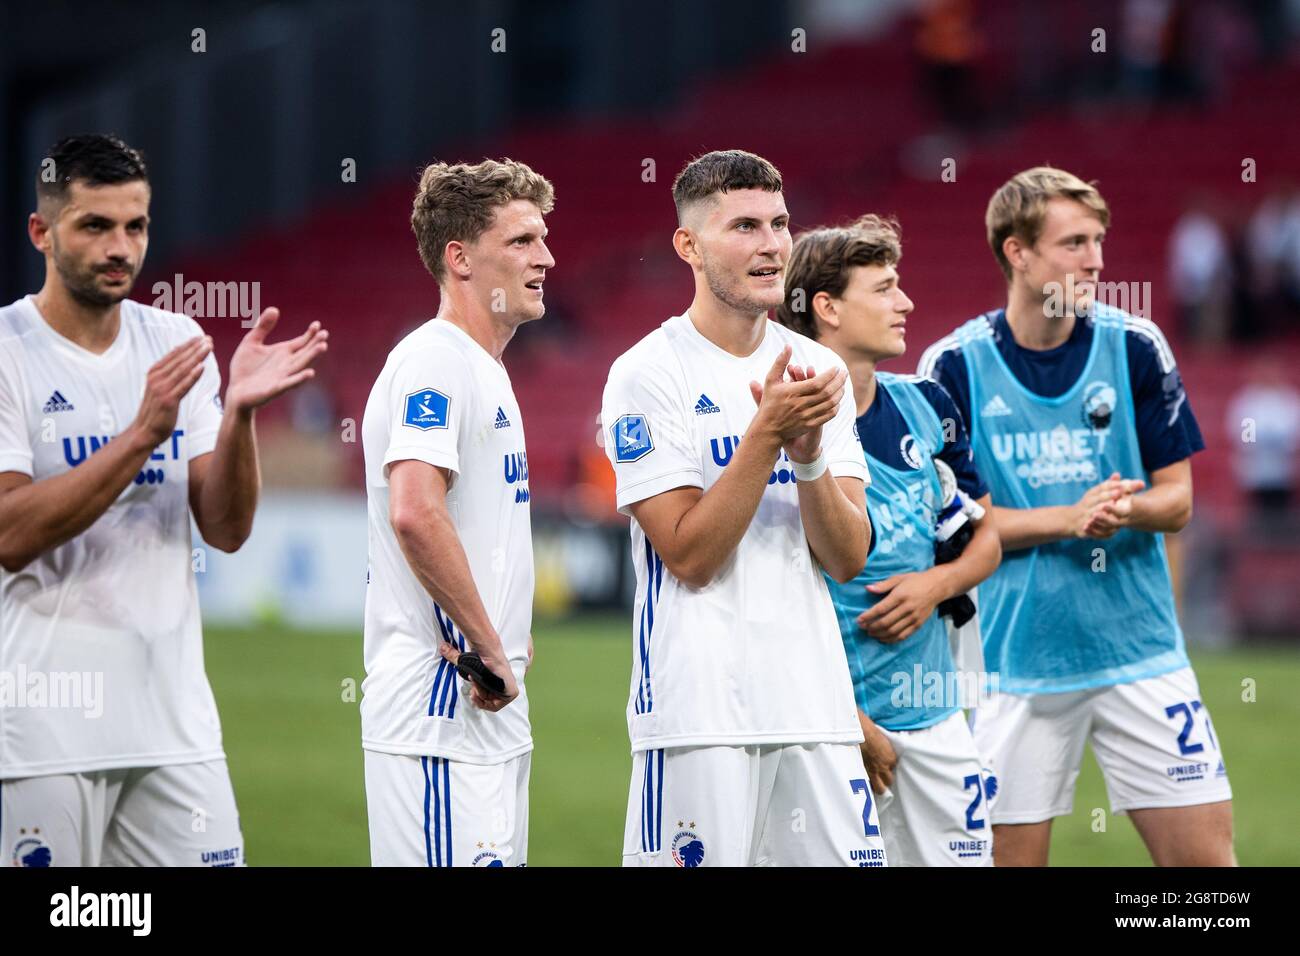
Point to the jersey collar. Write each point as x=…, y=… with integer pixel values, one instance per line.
x=107, y=357
x=688, y=327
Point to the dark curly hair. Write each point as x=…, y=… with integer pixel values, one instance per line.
x=93, y=158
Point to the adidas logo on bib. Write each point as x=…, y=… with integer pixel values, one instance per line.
x=57, y=403
x=995, y=407
x=502, y=421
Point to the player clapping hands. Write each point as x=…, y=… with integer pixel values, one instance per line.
x=259, y=372
x=798, y=408
x=1108, y=506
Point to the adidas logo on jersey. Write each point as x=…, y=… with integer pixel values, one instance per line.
x=705, y=406
x=57, y=403
x=995, y=407
x=502, y=421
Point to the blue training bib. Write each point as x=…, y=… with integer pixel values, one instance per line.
x=1078, y=613
x=908, y=685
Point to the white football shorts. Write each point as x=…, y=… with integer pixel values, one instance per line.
x=1153, y=739
x=783, y=805
x=178, y=815
x=936, y=813
x=431, y=811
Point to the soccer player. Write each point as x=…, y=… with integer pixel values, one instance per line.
x=111, y=435
x=732, y=442
x=451, y=560
x=1081, y=426
x=843, y=289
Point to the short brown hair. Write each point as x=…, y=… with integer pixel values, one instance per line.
x=722, y=171
x=457, y=203
x=1019, y=207
x=823, y=260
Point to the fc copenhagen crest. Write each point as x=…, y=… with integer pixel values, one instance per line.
x=1098, y=405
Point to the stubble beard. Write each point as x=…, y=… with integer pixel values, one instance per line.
x=82, y=287
x=731, y=295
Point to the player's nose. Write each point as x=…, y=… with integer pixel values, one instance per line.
x=545, y=260
x=118, y=245
x=1093, y=262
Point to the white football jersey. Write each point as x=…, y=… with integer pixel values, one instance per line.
x=443, y=399
x=101, y=651
x=755, y=657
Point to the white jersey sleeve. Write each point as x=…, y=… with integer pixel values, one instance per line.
x=840, y=444
x=15, y=443
x=429, y=394
x=648, y=435
x=203, y=420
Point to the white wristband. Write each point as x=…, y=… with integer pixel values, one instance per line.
x=811, y=471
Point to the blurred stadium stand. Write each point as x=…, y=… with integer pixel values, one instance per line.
x=861, y=122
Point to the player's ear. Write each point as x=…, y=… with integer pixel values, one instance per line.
x=456, y=258
x=825, y=310
x=685, y=242
x=38, y=231
x=1013, y=247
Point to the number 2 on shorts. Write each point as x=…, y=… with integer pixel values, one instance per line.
x=1188, y=712
x=861, y=786
x=974, y=781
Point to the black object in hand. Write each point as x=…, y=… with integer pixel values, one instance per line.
x=960, y=608
x=950, y=548
x=471, y=667
x=953, y=532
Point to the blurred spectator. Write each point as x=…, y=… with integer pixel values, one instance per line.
x=1263, y=426
x=948, y=43
x=1273, y=254
x=1159, y=51
x=1200, y=273
x=594, y=493
x=1143, y=27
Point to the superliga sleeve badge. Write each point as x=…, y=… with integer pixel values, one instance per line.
x=426, y=409
x=632, y=440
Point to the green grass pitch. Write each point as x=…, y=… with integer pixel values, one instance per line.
x=292, y=737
